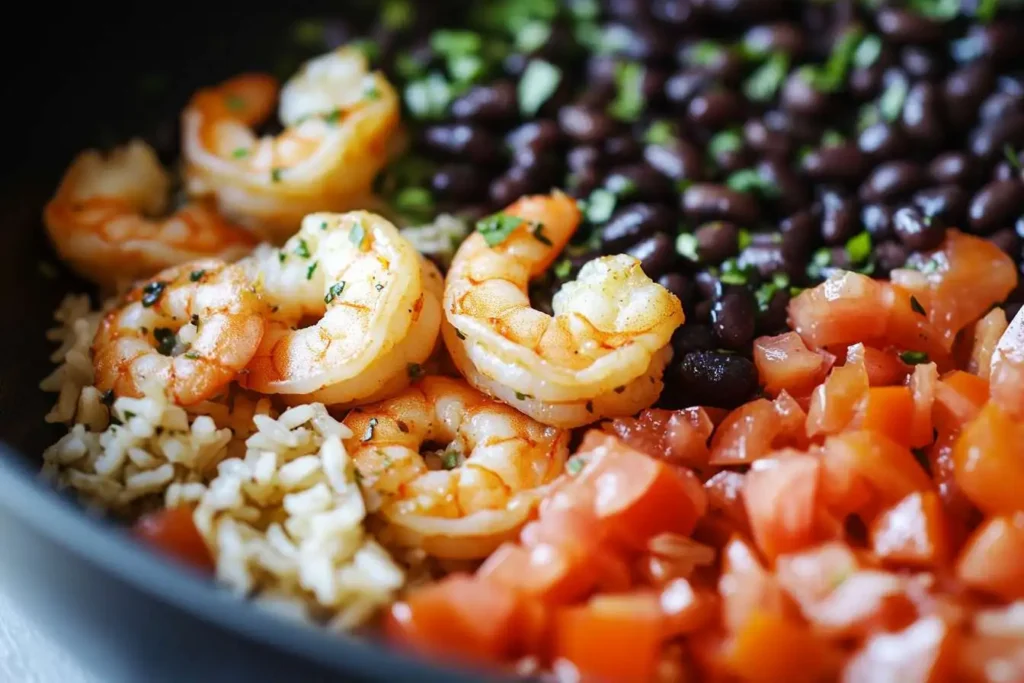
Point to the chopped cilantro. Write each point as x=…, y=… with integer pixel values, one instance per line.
x=832, y=138
x=941, y=10
x=428, y=97
x=748, y=180
x=725, y=142
x=744, y=239
x=705, y=53
x=600, y=205
x=496, y=228
x=575, y=464
x=281, y=256
x=275, y=175
x=890, y=104
x=1011, y=157
x=522, y=397
x=868, y=50
x=858, y=247
x=830, y=76
x=334, y=291
x=914, y=357
x=357, y=235
x=196, y=275
x=660, y=132
x=302, y=249
x=398, y=14
x=537, y=85
x=415, y=370
x=192, y=355
x=916, y=306
x=563, y=268
x=152, y=292
x=533, y=35
x=448, y=42
x=766, y=80
x=986, y=10
x=686, y=246
x=166, y=340
x=629, y=97
x=311, y=270
x=240, y=153
x=450, y=460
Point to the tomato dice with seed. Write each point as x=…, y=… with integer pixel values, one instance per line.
x=834, y=403
x=781, y=497
x=912, y=533
x=989, y=461
x=884, y=368
x=174, y=532
x=785, y=363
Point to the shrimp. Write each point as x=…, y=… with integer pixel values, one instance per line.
x=340, y=121
x=376, y=302
x=100, y=221
x=603, y=352
x=465, y=500
x=191, y=329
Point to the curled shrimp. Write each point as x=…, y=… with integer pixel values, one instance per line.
x=375, y=301
x=601, y=354
x=190, y=329
x=102, y=219
x=477, y=491
x=339, y=123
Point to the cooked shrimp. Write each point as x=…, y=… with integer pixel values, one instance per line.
x=339, y=123
x=375, y=300
x=603, y=352
x=190, y=328
x=102, y=219
x=477, y=491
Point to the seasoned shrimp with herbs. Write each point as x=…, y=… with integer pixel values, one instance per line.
x=190, y=329
x=108, y=219
x=601, y=354
x=339, y=123
x=375, y=303
x=449, y=470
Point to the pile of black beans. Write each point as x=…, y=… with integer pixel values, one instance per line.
x=741, y=149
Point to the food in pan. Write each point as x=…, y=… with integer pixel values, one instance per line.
x=622, y=341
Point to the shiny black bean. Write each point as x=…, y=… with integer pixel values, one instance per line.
x=717, y=241
x=707, y=283
x=839, y=219
x=767, y=259
x=799, y=233
x=954, y=167
x=916, y=231
x=804, y=130
x=724, y=65
x=800, y=97
x=674, y=12
x=889, y=256
x=988, y=140
x=883, y=141
x=584, y=181
x=712, y=378
x=461, y=140
x=512, y=185
x=543, y=169
x=946, y=204
x=1000, y=41
x=585, y=124
x=682, y=87
x=771, y=143
x=907, y=26
x=462, y=182
x=657, y=254
x=1011, y=84
x=641, y=42
x=706, y=201
x=921, y=62
x=622, y=148
x=538, y=136
x=877, y=220
x=692, y=337
x=835, y=163
x=584, y=156
x=639, y=181
x=1000, y=105
x=793, y=193
x=865, y=83
x=1007, y=240
x=996, y=206
x=494, y=102
x=922, y=116
x=782, y=37
x=772, y=320
x=892, y=180
x=634, y=222
x=734, y=318
x=678, y=284
x=964, y=91
x=677, y=160
x=715, y=109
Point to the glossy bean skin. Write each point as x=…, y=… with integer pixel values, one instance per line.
x=995, y=206
x=634, y=222
x=708, y=201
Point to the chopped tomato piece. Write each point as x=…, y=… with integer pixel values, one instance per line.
x=686, y=609
x=989, y=461
x=677, y=436
x=842, y=310
x=810, y=575
x=985, y=336
x=913, y=532
x=993, y=558
x=785, y=363
x=746, y=586
x=612, y=637
x=883, y=367
x=754, y=429
x=725, y=491
x=959, y=396
x=834, y=403
x=888, y=411
x=781, y=496
x=909, y=329
x=924, y=652
x=770, y=648
x=1007, y=377
x=173, y=531
x=960, y=511
x=922, y=385
x=980, y=656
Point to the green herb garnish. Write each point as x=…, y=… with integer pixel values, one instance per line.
x=890, y=104
x=357, y=235
x=916, y=306
x=766, y=80
x=334, y=291
x=686, y=246
x=726, y=142
x=914, y=357
x=537, y=85
x=496, y=228
x=165, y=340
x=415, y=370
x=600, y=205
x=311, y=270
x=858, y=247
x=302, y=249
x=196, y=275
x=629, y=97
x=152, y=292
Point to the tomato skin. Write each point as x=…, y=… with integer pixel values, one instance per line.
x=770, y=647
x=992, y=560
x=677, y=436
x=913, y=532
x=754, y=429
x=781, y=498
x=958, y=398
x=785, y=363
x=888, y=411
x=988, y=458
x=922, y=384
x=986, y=335
x=884, y=368
x=173, y=531
x=842, y=310
x=834, y=403
x=924, y=652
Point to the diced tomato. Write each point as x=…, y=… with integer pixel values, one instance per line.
x=909, y=329
x=980, y=656
x=725, y=491
x=745, y=586
x=444, y=619
x=173, y=531
x=922, y=385
x=834, y=403
x=612, y=637
x=913, y=532
x=888, y=411
x=1007, y=377
x=960, y=512
x=785, y=363
x=687, y=609
x=843, y=310
x=985, y=336
x=924, y=652
x=883, y=367
x=792, y=421
x=959, y=396
x=770, y=648
x=992, y=560
x=677, y=436
x=989, y=461
x=754, y=429
x=781, y=497
x=963, y=263
x=810, y=575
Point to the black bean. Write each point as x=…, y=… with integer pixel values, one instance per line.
x=717, y=241
x=584, y=181
x=1000, y=105
x=964, y=91
x=835, y=163
x=712, y=378
x=865, y=83
x=538, y=136
x=892, y=180
x=707, y=283
x=1001, y=41
x=511, y=185
x=802, y=129
x=682, y=87
x=584, y=156
x=494, y=102
x=772, y=320
x=782, y=37
x=639, y=181
x=677, y=160
x=692, y=337
x=678, y=285
x=657, y=254
x=542, y=168
x=799, y=232
x=1007, y=240
x=675, y=12
x=793, y=193
x=839, y=220
x=767, y=259
x=954, y=167
x=706, y=201
x=996, y=206
x=945, y=203
x=715, y=109
x=462, y=140
x=634, y=222
x=622, y=148
x=921, y=116
x=462, y=182
x=877, y=220
x=763, y=139
x=883, y=141
x=921, y=62
x=734, y=318
x=1012, y=309
x=889, y=256
x=637, y=42
x=916, y=231
x=723, y=64
x=585, y=124
x=905, y=26
x=800, y=97
x=987, y=141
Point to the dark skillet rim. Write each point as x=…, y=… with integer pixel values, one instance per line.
x=98, y=541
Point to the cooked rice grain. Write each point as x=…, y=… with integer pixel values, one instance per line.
x=77, y=327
